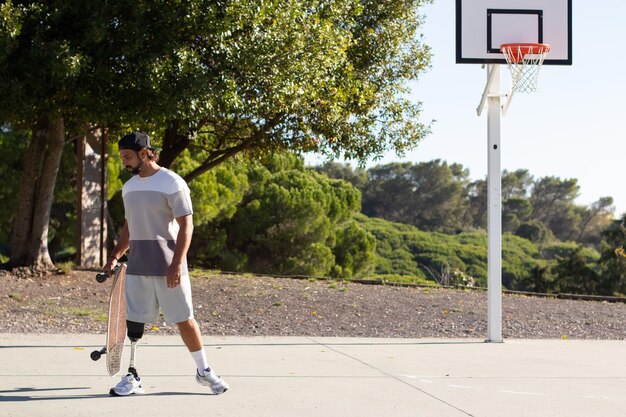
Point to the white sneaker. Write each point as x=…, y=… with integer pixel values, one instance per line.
x=127, y=386
x=209, y=379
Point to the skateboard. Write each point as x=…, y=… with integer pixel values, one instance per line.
x=116, y=327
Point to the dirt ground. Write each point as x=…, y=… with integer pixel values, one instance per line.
x=251, y=305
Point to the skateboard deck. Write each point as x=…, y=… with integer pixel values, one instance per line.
x=116, y=327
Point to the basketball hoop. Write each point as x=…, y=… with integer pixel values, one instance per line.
x=524, y=61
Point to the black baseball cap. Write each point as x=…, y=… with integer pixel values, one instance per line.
x=135, y=141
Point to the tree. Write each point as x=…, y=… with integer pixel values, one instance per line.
x=291, y=220
x=223, y=77
x=357, y=177
x=516, y=183
x=37, y=70
x=575, y=274
x=594, y=219
x=354, y=251
x=429, y=195
x=534, y=231
x=477, y=212
x=552, y=201
x=12, y=147
x=515, y=186
x=612, y=260
x=324, y=76
x=515, y=211
x=51, y=66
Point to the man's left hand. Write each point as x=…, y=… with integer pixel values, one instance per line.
x=173, y=276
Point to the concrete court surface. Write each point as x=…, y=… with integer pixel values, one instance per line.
x=52, y=375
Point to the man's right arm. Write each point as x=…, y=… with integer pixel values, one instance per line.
x=120, y=249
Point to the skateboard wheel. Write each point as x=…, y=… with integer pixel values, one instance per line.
x=95, y=355
x=101, y=278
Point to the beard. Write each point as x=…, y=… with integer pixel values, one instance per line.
x=134, y=170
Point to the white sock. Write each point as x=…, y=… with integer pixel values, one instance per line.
x=200, y=357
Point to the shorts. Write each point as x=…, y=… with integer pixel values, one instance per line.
x=146, y=294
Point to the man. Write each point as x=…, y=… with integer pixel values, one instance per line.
x=157, y=230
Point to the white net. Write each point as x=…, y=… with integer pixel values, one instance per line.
x=524, y=62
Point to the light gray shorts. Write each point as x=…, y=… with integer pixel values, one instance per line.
x=146, y=294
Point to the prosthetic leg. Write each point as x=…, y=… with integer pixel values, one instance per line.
x=131, y=382
x=135, y=332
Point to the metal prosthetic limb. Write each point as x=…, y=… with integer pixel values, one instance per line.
x=135, y=332
x=131, y=365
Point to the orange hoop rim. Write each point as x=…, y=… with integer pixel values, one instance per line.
x=516, y=52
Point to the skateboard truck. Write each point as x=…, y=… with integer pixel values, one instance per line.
x=103, y=276
x=97, y=354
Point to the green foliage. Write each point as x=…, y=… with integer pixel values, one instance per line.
x=258, y=77
x=62, y=228
x=518, y=260
x=217, y=193
x=115, y=171
x=552, y=200
x=63, y=216
x=515, y=210
x=575, y=274
x=406, y=251
x=289, y=220
x=12, y=147
x=435, y=196
x=230, y=77
x=612, y=262
x=354, y=252
x=428, y=195
x=516, y=184
x=534, y=210
x=355, y=176
x=539, y=280
x=533, y=230
x=252, y=79
x=556, y=250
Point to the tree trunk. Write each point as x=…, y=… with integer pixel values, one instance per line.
x=29, y=244
x=31, y=169
x=174, y=144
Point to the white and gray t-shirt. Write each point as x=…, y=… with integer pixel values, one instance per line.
x=152, y=205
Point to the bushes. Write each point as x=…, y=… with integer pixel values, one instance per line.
x=404, y=250
x=289, y=220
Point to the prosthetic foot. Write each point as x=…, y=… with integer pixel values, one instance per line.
x=131, y=382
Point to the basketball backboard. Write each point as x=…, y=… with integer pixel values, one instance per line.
x=483, y=25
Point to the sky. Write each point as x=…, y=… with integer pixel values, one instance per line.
x=571, y=128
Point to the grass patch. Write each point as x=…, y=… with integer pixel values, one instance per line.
x=66, y=267
x=77, y=312
x=16, y=296
x=203, y=273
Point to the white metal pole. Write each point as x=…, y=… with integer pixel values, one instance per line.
x=494, y=213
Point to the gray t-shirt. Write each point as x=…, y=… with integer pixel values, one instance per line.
x=152, y=205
